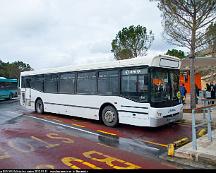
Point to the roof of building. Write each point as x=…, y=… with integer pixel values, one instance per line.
x=200, y=63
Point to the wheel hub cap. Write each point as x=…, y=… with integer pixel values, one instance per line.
x=109, y=116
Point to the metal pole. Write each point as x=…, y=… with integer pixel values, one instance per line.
x=209, y=125
x=194, y=144
x=192, y=83
x=204, y=110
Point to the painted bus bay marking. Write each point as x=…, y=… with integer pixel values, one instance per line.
x=155, y=143
x=53, y=136
x=47, y=145
x=105, y=145
x=68, y=161
x=4, y=154
x=64, y=139
x=109, y=133
x=110, y=161
x=56, y=120
x=45, y=166
x=64, y=125
x=16, y=146
x=77, y=125
x=72, y=162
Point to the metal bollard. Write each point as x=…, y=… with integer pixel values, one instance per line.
x=209, y=125
x=194, y=143
x=204, y=111
x=171, y=150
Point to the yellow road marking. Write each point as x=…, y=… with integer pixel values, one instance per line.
x=104, y=145
x=77, y=125
x=74, y=120
x=106, y=132
x=155, y=143
x=184, y=124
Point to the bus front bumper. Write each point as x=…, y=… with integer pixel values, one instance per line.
x=166, y=119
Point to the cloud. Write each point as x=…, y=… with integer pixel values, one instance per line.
x=51, y=33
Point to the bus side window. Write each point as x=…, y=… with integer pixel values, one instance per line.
x=87, y=83
x=108, y=83
x=50, y=83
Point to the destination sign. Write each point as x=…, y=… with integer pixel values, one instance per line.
x=169, y=63
x=135, y=71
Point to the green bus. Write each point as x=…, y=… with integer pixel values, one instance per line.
x=8, y=88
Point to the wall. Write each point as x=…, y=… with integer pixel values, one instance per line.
x=185, y=79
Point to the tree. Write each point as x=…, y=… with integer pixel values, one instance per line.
x=184, y=23
x=22, y=66
x=12, y=70
x=131, y=42
x=177, y=53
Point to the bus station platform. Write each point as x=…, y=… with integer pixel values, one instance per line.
x=204, y=156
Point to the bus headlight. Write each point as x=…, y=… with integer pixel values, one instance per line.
x=181, y=109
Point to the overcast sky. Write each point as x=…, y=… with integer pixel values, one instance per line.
x=51, y=33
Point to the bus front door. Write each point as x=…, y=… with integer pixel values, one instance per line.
x=28, y=96
x=28, y=93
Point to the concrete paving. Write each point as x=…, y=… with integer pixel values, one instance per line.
x=206, y=149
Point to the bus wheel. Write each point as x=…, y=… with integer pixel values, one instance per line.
x=39, y=107
x=110, y=116
x=10, y=96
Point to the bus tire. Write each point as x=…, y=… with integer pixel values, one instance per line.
x=10, y=96
x=110, y=116
x=39, y=106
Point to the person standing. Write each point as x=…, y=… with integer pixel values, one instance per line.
x=207, y=87
x=208, y=92
x=212, y=90
x=197, y=93
x=183, y=93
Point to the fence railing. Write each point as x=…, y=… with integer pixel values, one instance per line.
x=206, y=120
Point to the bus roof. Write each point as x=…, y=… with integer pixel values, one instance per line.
x=3, y=79
x=163, y=61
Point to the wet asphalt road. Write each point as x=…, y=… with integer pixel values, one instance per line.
x=30, y=140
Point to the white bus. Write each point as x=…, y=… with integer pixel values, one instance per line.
x=140, y=91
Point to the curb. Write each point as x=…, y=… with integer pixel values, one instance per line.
x=181, y=142
x=184, y=163
x=197, y=157
x=205, y=158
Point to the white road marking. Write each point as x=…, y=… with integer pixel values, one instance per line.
x=64, y=125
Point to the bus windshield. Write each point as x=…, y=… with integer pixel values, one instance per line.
x=165, y=85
